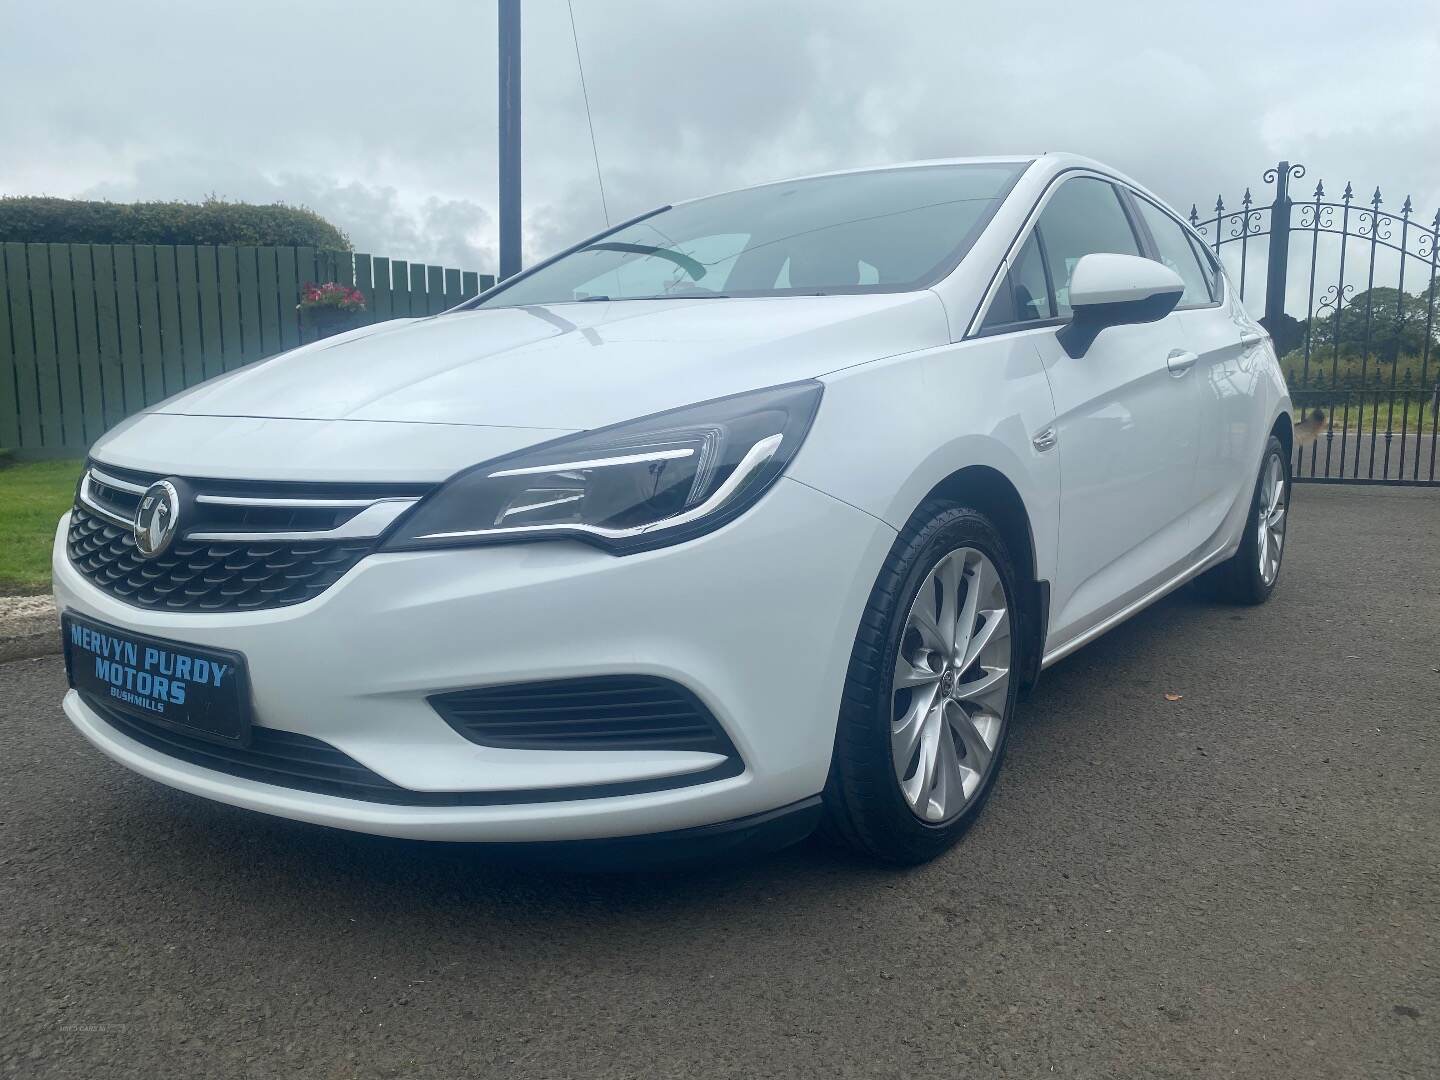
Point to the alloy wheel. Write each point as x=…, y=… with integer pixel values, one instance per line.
x=951, y=686
x=1270, y=519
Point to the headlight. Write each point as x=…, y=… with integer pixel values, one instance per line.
x=637, y=485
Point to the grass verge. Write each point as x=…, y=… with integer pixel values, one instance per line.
x=33, y=496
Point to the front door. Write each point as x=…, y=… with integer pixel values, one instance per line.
x=1127, y=421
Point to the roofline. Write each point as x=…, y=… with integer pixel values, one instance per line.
x=1051, y=161
x=1023, y=161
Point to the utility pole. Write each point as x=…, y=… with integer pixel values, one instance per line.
x=509, y=138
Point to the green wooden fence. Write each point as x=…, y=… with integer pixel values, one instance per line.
x=90, y=333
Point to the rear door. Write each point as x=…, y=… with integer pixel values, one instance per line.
x=1126, y=428
x=1231, y=359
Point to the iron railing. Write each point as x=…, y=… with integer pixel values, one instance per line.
x=1370, y=360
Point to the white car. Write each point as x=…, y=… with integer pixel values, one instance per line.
x=752, y=512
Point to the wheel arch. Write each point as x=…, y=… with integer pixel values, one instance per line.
x=1284, y=430
x=990, y=491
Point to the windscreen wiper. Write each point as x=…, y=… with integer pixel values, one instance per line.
x=693, y=267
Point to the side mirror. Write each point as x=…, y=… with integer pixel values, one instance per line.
x=1114, y=290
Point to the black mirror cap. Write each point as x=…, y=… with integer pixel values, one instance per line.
x=1084, y=327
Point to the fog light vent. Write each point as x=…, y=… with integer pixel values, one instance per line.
x=603, y=712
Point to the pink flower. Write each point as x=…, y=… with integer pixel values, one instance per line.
x=331, y=294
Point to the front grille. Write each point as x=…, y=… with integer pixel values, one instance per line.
x=206, y=577
x=290, y=760
x=606, y=712
x=242, y=545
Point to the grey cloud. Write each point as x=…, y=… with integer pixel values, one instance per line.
x=452, y=232
x=386, y=125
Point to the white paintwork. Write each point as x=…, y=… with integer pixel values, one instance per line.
x=353, y=666
x=1126, y=438
x=1148, y=482
x=597, y=363
x=1108, y=278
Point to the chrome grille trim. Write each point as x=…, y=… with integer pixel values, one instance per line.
x=114, y=482
x=309, y=504
x=95, y=506
x=369, y=522
x=373, y=515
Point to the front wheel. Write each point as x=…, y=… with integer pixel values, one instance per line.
x=1249, y=576
x=929, y=693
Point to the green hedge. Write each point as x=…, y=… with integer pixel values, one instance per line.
x=43, y=220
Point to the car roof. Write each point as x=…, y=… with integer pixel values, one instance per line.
x=1047, y=163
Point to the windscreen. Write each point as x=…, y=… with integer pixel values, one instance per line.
x=882, y=231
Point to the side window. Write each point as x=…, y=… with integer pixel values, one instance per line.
x=1082, y=218
x=1023, y=296
x=1210, y=265
x=1173, y=245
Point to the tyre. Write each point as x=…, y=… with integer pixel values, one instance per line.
x=1249, y=576
x=929, y=692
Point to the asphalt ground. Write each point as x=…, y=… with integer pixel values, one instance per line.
x=1243, y=882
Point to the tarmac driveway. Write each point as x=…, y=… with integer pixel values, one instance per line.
x=1243, y=882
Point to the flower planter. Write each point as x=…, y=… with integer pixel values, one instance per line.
x=326, y=322
x=329, y=309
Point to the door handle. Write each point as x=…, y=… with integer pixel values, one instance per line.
x=1250, y=341
x=1180, y=361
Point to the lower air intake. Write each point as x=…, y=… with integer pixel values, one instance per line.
x=283, y=758
x=604, y=712
x=289, y=759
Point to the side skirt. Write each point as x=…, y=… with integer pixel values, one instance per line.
x=1087, y=636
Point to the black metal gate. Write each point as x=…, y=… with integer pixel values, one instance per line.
x=1370, y=359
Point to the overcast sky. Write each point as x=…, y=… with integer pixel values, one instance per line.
x=381, y=116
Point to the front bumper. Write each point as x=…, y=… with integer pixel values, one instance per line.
x=757, y=619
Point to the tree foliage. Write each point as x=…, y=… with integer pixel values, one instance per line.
x=41, y=219
x=1383, y=322
x=1288, y=333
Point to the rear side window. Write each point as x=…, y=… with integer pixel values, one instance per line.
x=1175, y=251
x=1084, y=217
x=1023, y=296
